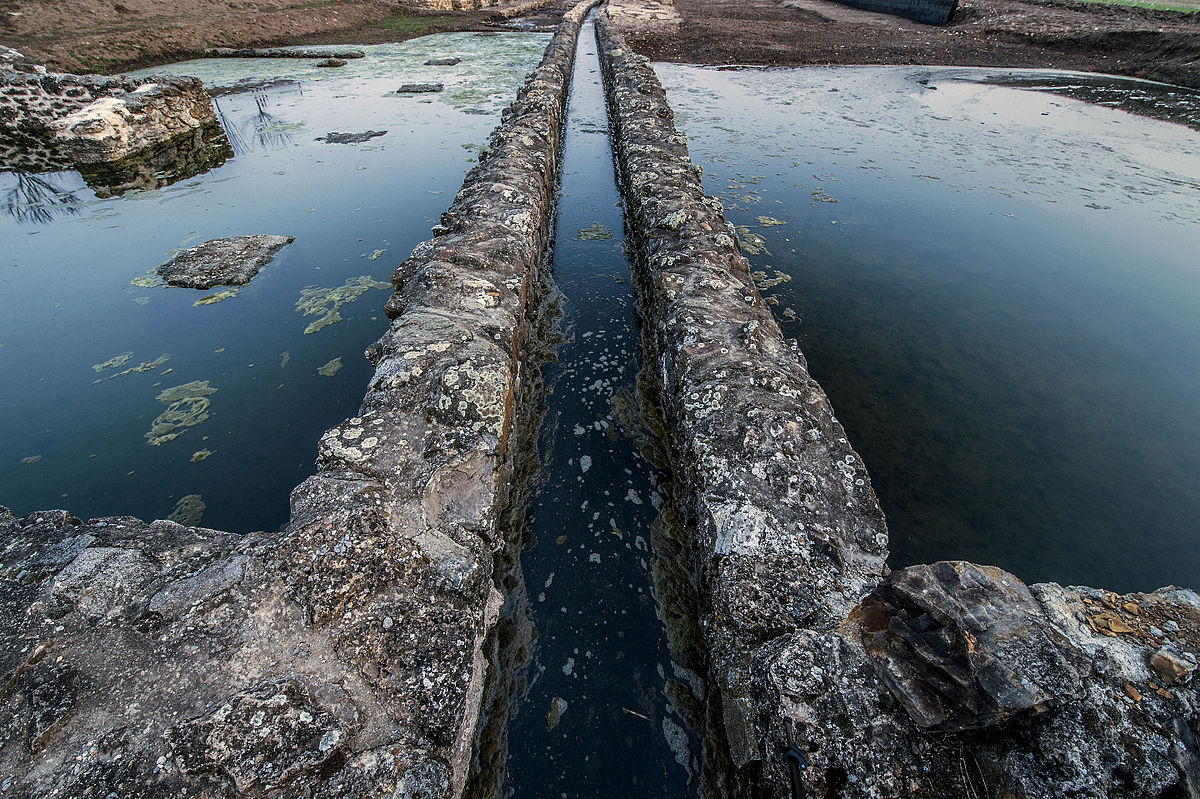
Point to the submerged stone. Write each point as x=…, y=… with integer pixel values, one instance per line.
x=187, y=406
x=420, y=88
x=231, y=261
x=189, y=511
x=443, y=62
x=350, y=138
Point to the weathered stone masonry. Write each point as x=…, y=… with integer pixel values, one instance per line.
x=942, y=680
x=55, y=121
x=339, y=657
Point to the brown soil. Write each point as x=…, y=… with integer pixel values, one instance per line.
x=111, y=35
x=1161, y=45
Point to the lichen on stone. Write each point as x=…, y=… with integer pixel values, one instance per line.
x=187, y=406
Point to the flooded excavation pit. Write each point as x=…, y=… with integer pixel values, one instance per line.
x=89, y=257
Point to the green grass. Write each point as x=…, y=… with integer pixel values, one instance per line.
x=1185, y=7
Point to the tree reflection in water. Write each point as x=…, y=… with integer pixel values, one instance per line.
x=36, y=199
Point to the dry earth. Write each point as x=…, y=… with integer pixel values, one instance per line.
x=1060, y=34
x=110, y=35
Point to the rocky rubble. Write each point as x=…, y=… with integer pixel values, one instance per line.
x=942, y=680
x=341, y=656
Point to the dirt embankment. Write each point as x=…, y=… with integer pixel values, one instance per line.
x=1059, y=34
x=110, y=35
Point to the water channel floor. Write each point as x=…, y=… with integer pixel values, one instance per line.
x=596, y=720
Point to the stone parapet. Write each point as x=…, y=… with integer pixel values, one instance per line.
x=829, y=675
x=343, y=655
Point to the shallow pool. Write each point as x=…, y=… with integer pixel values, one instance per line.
x=91, y=344
x=995, y=277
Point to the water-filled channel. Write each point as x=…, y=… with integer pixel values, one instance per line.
x=596, y=720
x=994, y=277
x=89, y=341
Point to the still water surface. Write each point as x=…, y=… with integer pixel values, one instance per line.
x=995, y=276
x=74, y=293
x=596, y=721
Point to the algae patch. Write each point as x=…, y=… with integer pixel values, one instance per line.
x=596, y=232
x=122, y=359
x=114, y=362
x=768, y=221
x=325, y=302
x=187, y=406
x=201, y=455
x=332, y=368
x=218, y=296
x=148, y=280
x=189, y=511
x=751, y=243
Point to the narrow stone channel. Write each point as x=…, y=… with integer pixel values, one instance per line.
x=596, y=721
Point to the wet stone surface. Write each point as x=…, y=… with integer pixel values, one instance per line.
x=231, y=261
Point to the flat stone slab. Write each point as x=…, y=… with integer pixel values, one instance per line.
x=350, y=138
x=277, y=52
x=420, y=88
x=443, y=62
x=232, y=261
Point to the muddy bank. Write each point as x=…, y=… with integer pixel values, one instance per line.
x=828, y=676
x=342, y=655
x=99, y=36
x=1160, y=45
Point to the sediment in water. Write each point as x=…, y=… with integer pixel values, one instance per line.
x=942, y=680
x=343, y=655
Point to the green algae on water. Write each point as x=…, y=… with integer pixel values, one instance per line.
x=201, y=455
x=148, y=280
x=122, y=359
x=751, y=243
x=315, y=300
x=113, y=362
x=595, y=232
x=187, y=406
x=219, y=296
x=332, y=368
x=189, y=511
x=768, y=221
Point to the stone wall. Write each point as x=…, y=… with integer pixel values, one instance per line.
x=930, y=12
x=828, y=675
x=56, y=120
x=341, y=656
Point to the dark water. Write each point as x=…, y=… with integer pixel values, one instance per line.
x=596, y=721
x=73, y=437
x=999, y=288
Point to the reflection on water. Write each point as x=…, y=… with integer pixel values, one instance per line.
x=997, y=287
x=38, y=199
x=77, y=291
